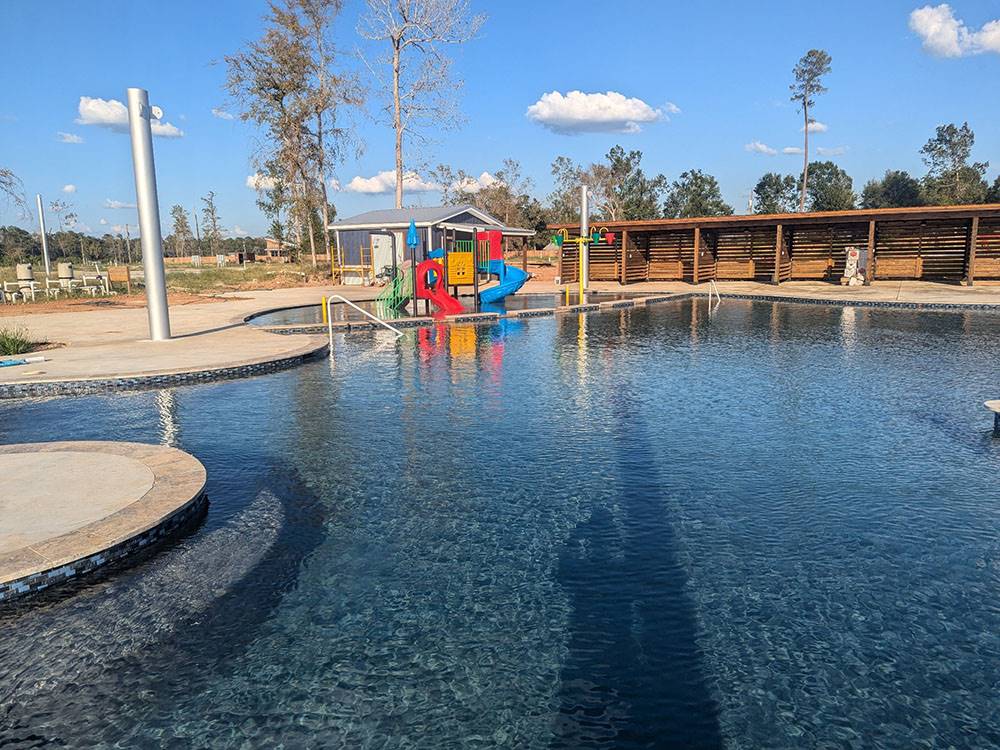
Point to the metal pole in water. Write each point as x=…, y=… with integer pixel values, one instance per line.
x=140, y=129
x=41, y=227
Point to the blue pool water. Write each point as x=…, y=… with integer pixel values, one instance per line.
x=772, y=527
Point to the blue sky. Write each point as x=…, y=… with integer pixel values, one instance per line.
x=725, y=66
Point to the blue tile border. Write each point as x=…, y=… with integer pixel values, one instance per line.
x=32, y=584
x=145, y=382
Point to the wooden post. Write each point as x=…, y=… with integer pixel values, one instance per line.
x=524, y=254
x=970, y=272
x=870, y=269
x=697, y=255
x=624, y=275
x=778, y=241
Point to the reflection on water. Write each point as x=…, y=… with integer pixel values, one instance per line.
x=771, y=526
x=522, y=301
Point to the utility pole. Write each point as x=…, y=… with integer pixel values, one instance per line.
x=41, y=226
x=584, y=233
x=197, y=232
x=140, y=129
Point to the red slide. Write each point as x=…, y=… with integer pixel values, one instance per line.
x=436, y=291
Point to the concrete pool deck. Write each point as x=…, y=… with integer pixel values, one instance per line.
x=71, y=507
x=112, y=345
x=106, y=348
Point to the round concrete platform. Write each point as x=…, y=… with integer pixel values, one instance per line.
x=71, y=507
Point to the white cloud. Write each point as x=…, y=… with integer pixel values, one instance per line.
x=334, y=184
x=816, y=127
x=475, y=184
x=103, y=222
x=385, y=182
x=792, y=150
x=672, y=108
x=836, y=151
x=83, y=227
x=222, y=114
x=577, y=112
x=69, y=137
x=112, y=114
x=756, y=147
x=69, y=188
x=120, y=229
x=238, y=231
x=944, y=35
x=258, y=181
x=109, y=203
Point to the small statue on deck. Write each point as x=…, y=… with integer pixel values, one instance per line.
x=853, y=273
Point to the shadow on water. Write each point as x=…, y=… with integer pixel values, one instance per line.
x=634, y=676
x=145, y=636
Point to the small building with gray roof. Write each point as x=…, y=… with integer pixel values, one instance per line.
x=365, y=242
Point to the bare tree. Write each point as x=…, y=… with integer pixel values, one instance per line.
x=181, y=234
x=67, y=220
x=11, y=188
x=327, y=93
x=421, y=90
x=210, y=222
x=808, y=72
x=286, y=83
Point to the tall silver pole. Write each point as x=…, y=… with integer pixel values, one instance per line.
x=149, y=214
x=584, y=232
x=41, y=227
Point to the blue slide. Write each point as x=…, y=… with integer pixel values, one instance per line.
x=511, y=279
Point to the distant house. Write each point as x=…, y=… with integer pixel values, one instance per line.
x=276, y=251
x=364, y=247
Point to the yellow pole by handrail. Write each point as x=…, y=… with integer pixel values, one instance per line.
x=326, y=312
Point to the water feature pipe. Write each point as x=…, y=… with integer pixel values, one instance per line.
x=140, y=115
x=41, y=227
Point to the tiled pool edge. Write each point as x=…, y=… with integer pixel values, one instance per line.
x=176, y=500
x=145, y=382
x=45, y=579
x=588, y=307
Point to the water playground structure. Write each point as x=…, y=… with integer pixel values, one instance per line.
x=430, y=254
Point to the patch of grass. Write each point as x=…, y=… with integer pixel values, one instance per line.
x=15, y=341
x=235, y=279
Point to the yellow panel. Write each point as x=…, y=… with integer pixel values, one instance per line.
x=460, y=269
x=462, y=339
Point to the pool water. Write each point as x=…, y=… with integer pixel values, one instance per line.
x=773, y=526
x=520, y=301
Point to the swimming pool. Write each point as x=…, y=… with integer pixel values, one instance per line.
x=772, y=526
x=525, y=301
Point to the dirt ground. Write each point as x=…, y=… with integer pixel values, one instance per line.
x=86, y=304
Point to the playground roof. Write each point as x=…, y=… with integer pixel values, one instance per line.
x=433, y=216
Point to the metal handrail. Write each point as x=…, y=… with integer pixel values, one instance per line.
x=329, y=317
x=713, y=287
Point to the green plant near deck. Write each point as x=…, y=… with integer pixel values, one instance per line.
x=15, y=341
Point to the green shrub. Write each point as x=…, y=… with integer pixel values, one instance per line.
x=15, y=341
